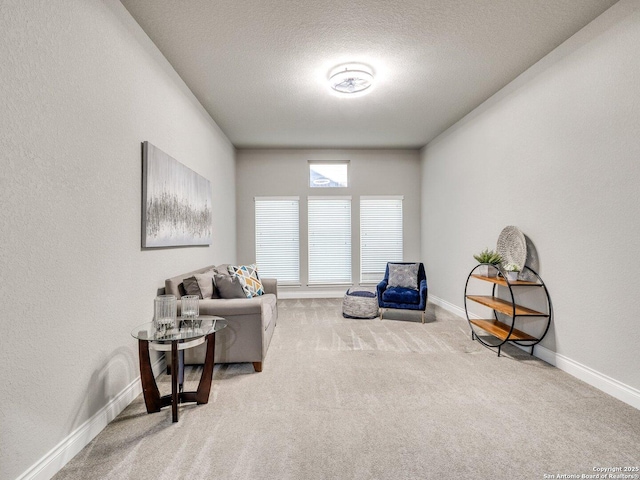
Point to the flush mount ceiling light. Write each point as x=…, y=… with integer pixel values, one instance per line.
x=351, y=79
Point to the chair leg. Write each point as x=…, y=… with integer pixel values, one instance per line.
x=423, y=316
x=380, y=312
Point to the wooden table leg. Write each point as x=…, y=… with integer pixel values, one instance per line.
x=152, y=399
x=204, y=387
x=174, y=380
x=149, y=385
x=180, y=369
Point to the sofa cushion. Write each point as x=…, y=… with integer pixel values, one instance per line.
x=229, y=287
x=401, y=295
x=174, y=286
x=249, y=279
x=200, y=284
x=223, y=269
x=403, y=275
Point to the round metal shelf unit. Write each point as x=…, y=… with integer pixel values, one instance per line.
x=502, y=332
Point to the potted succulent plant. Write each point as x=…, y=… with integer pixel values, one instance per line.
x=512, y=270
x=489, y=259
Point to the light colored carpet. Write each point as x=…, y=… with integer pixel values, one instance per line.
x=371, y=399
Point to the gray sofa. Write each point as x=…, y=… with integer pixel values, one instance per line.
x=251, y=322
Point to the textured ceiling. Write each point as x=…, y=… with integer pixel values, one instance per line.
x=260, y=67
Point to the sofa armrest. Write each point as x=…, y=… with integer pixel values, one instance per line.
x=231, y=306
x=270, y=285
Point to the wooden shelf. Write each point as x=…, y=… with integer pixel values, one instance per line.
x=502, y=282
x=504, y=306
x=501, y=330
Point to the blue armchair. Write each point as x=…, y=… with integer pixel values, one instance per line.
x=402, y=297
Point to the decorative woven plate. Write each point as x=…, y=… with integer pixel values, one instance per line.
x=512, y=246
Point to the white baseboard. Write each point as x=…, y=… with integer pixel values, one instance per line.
x=450, y=307
x=608, y=385
x=58, y=456
x=611, y=386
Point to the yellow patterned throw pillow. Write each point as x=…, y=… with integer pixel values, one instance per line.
x=249, y=279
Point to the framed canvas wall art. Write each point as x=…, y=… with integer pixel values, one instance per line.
x=176, y=202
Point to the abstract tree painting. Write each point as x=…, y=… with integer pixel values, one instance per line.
x=176, y=208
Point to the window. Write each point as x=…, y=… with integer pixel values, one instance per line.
x=380, y=235
x=329, y=240
x=328, y=174
x=278, y=238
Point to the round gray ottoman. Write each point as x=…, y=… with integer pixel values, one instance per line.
x=360, y=302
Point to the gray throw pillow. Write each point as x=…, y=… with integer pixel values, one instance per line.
x=229, y=287
x=200, y=284
x=403, y=275
x=191, y=287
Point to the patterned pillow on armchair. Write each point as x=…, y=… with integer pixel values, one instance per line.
x=404, y=275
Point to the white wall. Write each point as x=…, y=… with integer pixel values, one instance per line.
x=264, y=172
x=81, y=86
x=556, y=153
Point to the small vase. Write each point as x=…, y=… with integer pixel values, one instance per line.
x=512, y=276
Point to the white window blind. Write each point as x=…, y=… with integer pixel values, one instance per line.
x=278, y=238
x=380, y=235
x=329, y=240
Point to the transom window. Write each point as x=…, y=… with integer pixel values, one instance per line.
x=328, y=174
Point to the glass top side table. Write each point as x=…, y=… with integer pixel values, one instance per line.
x=187, y=334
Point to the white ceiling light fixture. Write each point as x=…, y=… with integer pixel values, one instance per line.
x=351, y=79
